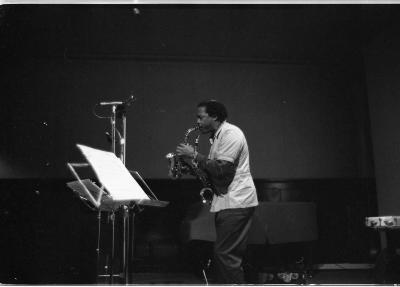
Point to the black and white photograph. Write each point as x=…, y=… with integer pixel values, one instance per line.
x=200, y=143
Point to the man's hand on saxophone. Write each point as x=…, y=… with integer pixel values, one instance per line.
x=186, y=151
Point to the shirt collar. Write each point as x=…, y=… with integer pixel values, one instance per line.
x=215, y=135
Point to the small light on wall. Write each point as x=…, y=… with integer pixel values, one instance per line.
x=136, y=11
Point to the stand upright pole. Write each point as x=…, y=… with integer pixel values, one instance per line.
x=98, y=241
x=126, y=223
x=112, y=248
x=113, y=127
x=131, y=250
x=123, y=139
x=112, y=215
x=126, y=245
x=120, y=109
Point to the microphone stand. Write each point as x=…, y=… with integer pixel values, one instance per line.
x=119, y=112
x=111, y=216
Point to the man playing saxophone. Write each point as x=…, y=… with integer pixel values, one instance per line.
x=235, y=197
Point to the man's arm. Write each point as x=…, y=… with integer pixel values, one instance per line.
x=221, y=171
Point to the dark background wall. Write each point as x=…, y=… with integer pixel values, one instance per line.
x=382, y=62
x=290, y=77
x=304, y=82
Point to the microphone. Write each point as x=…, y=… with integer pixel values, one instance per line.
x=110, y=103
x=125, y=103
x=129, y=101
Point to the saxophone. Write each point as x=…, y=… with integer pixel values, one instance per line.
x=178, y=166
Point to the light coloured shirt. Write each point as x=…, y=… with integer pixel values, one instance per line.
x=230, y=144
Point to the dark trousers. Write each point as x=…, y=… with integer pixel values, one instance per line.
x=232, y=228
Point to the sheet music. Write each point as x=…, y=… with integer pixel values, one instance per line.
x=113, y=174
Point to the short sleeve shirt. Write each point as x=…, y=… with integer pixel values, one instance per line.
x=230, y=144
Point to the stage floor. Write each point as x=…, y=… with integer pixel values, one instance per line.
x=319, y=277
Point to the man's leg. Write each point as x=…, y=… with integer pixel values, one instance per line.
x=232, y=228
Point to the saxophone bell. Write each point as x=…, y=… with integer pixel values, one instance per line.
x=206, y=195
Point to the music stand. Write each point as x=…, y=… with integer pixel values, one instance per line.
x=118, y=189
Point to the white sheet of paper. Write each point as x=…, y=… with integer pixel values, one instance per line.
x=112, y=173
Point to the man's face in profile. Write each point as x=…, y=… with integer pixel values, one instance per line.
x=205, y=122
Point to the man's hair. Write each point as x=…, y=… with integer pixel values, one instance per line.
x=214, y=109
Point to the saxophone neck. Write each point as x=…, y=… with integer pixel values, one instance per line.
x=189, y=131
